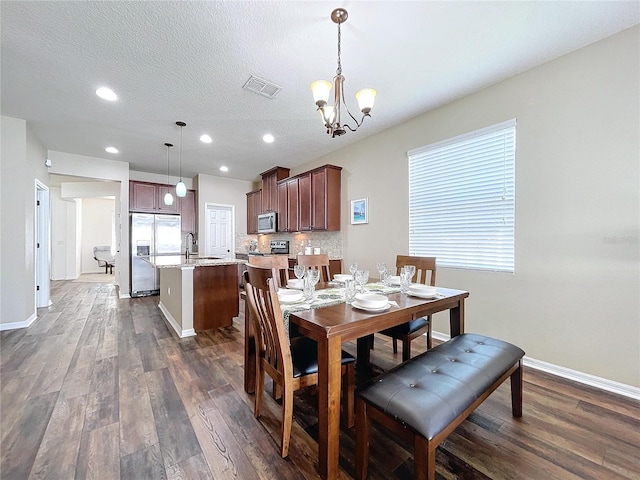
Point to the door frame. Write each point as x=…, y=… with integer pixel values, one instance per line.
x=232, y=232
x=42, y=236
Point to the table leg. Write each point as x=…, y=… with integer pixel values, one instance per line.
x=456, y=319
x=329, y=376
x=249, y=352
x=364, y=352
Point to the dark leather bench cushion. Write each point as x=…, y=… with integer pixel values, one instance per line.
x=430, y=390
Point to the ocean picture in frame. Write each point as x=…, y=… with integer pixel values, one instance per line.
x=359, y=211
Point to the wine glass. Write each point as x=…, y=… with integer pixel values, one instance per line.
x=311, y=279
x=382, y=267
x=353, y=268
x=411, y=271
x=362, y=276
x=314, y=276
x=298, y=270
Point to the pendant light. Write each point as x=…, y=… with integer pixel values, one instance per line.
x=181, y=188
x=168, y=198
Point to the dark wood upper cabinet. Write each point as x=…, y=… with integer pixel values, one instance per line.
x=309, y=201
x=288, y=205
x=175, y=206
x=319, y=192
x=143, y=197
x=254, y=207
x=270, y=188
x=188, y=212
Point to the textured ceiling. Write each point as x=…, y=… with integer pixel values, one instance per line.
x=188, y=61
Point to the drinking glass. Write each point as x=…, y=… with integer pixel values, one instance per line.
x=362, y=277
x=411, y=271
x=298, y=270
x=349, y=291
x=405, y=280
x=352, y=269
x=382, y=267
x=310, y=280
x=386, y=278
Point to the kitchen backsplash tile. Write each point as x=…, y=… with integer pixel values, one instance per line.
x=329, y=242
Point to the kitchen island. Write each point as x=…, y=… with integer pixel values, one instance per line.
x=197, y=293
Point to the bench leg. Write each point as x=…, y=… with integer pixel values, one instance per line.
x=363, y=425
x=516, y=391
x=424, y=455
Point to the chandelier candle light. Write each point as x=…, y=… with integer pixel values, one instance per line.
x=321, y=88
x=168, y=198
x=181, y=188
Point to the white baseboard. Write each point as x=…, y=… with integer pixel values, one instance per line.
x=172, y=322
x=569, y=374
x=14, y=325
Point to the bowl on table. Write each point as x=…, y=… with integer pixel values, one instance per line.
x=342, y=277
x=420, y=290
x=394, y=280
x=371, y=300
x=295, y=283
x=287, y=295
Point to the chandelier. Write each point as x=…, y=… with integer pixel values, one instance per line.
x=321, y=89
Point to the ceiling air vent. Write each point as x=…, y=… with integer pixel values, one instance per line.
x=262, y=87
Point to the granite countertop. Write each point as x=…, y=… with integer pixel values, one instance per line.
x=177, y=261
x=289, y=255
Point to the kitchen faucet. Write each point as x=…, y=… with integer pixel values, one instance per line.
x=188, y=253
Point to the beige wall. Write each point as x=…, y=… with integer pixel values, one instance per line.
x=21, y=163
x=574, y=300
x=223, y=191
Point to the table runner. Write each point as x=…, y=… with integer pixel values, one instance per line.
x=328, y=297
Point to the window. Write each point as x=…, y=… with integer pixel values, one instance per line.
x=462, y=200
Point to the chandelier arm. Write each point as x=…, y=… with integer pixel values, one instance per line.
x=351, y=115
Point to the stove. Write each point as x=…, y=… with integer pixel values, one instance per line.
x=279, y=246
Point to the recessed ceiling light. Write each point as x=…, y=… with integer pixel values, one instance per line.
x=268, y=138
x=224, y=169
x=107, y=94
x=205, y=139
x=111, y=150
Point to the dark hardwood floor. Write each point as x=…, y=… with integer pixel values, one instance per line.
x=99, y=388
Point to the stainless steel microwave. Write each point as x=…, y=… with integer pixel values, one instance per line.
x=267, y=222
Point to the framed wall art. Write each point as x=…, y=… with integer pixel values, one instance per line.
x=359, y=211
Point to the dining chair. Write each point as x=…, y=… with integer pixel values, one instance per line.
x=279, y=265
x=406, y=332
x=318, y=262
x=292, y=364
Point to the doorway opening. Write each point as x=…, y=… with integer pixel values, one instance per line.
x=42, y=245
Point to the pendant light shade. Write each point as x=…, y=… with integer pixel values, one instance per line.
x=168, y=198
x=181, y=188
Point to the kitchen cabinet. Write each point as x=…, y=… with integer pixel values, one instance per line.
x=254, y=207
x=288, y=205
x=319, y=199
x=149, y=198
x=270, y=188
x=188, y=212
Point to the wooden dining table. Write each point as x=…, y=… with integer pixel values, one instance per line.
x=333, y=325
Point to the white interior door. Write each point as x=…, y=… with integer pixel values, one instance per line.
x=220, y=231
x=42, y=243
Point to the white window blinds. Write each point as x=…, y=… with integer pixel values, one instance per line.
x=462, y=199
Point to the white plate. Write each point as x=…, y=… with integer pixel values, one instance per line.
x=355, y=304
x=290, y=296
x=394, y=280
x=372, y=300
x=341, y=277
x=422, y=295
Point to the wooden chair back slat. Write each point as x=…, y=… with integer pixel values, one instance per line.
x=425, y=268
x=279, y=265
x=317, y=262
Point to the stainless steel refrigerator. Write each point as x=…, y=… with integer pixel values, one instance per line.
x=151, y=235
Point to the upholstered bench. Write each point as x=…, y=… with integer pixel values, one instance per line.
x=425, y=398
